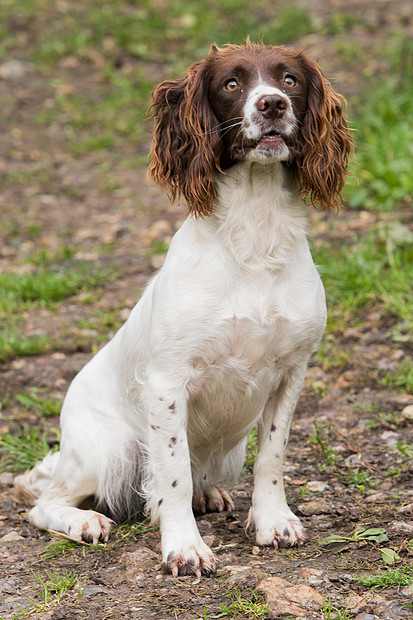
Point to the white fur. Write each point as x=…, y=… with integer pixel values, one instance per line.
x=219, y=342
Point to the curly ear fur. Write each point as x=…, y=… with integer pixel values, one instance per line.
x=325, y=142
x=186, y=147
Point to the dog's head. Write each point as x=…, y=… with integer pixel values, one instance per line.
x=249, y=103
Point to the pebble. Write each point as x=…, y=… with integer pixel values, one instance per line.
x=6, y=479
x=400, y=528
x=14, y=69
x=289, y=599
x=315, y=507
x=11, y=536
x=317, y=486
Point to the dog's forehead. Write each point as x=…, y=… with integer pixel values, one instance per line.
x=256, y=61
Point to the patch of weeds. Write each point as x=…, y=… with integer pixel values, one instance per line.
x=361, y=533
x=331, y=612
x=15, y=344
x=385, y=420
x=61, y=545
x=329, y=354
x=358, y=479
x=54, y=585
x=361, y=275
x=133, y=531
x=403, y=378
x=319, y=441
x=406, y=449
x=23, y=451
x=393, y=577
x=384, y=137
x=255, y=606
x=43, y=406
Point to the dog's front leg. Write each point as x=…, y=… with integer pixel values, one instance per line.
x=169, y=487
x=275, y=524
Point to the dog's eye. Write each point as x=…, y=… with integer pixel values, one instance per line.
x=231, y=85
x=290, y=81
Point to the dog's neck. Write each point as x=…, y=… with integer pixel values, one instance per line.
x=258, y=214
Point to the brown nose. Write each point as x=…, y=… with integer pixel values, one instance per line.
x=272, y=106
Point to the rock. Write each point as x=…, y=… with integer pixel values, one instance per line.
x=237, y=574
x=366, y=617
x=11, y=536
x=139, y=561
x=400, y=528
x=408, y=412
x=317, y=486
x=14, y=69
x=315, y=507
x=290, y=599
x=407, y=509
x=6, y=479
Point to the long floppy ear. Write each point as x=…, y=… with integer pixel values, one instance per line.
x=326, y=144
x=186, y=145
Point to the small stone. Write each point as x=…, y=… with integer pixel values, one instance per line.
x=315, y=507
x=408, y=412
x=375, y=497
x=255, y=550
x=407, y=509
x=317, y=486
x=139, y=561
x=11, y=536
x=400, y=528
x=14, y=69
x=366, y=617
x=6, y=479
x=289, y=599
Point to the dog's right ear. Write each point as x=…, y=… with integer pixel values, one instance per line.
x=186, y=147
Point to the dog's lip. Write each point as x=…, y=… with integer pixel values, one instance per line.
x=269, y=140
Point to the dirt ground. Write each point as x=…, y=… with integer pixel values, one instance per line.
x=360, y=420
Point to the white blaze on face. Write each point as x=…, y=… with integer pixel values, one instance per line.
x=256, y=125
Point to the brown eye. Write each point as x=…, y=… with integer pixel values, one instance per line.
x=231, y=85
x=290, y=81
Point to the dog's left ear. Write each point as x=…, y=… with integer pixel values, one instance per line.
x=186, y=146
x=326, y=144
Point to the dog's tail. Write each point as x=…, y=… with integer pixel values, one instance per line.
x=30, y=485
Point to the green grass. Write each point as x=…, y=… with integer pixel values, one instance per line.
x=41, y=405
x=375, y=270
x=23, y=450
x=384, y=136
x=393, y=577
x=46, y=287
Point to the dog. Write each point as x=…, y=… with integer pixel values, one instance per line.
x=222, y=336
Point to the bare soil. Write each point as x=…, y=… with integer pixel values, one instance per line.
x=71, y=202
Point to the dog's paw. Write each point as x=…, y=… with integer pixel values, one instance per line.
x=90, y=526
x=282, y=530
x=196, y=560
x=214, y=499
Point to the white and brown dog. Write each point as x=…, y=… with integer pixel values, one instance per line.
x=222, y=336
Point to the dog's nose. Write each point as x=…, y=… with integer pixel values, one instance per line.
x=272, y=106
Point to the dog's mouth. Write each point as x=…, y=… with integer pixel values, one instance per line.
x=269, y=142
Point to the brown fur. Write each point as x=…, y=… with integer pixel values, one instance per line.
x=188, y=146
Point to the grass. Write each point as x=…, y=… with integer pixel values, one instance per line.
x=22, y=451
x=41, y=405
x=50, y=590
x=238, y=605
x=385, y=137
x=46, y=287
x=391, y=578
x=376, y=270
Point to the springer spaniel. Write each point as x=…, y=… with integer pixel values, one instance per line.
x=222, y=336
